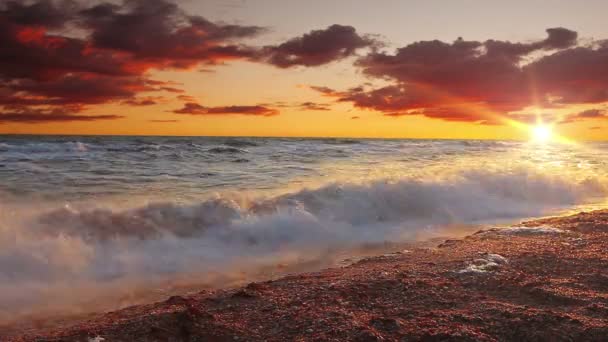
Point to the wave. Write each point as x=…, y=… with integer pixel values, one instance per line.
x=468, y=197
x=240, y=143
x=225, y=150
x=337, y=141
x=42, y=147
x=66, y=247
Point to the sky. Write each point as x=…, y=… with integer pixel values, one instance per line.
x=384, y=68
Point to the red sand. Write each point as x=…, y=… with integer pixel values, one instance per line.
x=553, y=286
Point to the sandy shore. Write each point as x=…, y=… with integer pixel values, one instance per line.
x=542, y=280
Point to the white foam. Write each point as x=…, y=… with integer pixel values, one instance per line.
x=485, y=264
x=50, y=257
x=522, y=231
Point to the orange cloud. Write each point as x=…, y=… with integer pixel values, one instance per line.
x=196, y=109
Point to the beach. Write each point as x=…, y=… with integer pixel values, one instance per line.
x=545, y=279
x=233, y=170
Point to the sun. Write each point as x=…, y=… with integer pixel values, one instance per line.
x=541, y=133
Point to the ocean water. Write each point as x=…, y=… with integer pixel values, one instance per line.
x=90, y=219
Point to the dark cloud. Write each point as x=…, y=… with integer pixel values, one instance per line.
x=42, y=116
x=560, y=38
x=577, y=75
x=387, y=99
x=158, y=31
x=43, y=13
x=303, y=106
x=313, y=106
x=317, y=47
x=325, y=90
x=197, y=109
x=76, y=89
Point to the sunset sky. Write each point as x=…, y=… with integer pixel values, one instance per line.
x=386, y=68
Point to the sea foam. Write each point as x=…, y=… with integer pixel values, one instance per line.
x=68, y=257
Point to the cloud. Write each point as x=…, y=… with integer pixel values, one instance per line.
x=61, y=52
x=159, y=32
x=163, y=121
x=302, y=106
x=326, y=91
x=560, y=38
x=480, y=81
x=196, y=109
x=82, y=54
x=173, y=90
x=317, y=47
x=41, y=116
x=314, y=106
x=530, y=118
x=45, y=13
x=573, y=76
x=186, y=98
x=144, y=101
x=590, y=114
x=78, y=91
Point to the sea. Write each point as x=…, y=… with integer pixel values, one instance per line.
x=102, y=222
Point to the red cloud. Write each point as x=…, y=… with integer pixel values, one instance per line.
x=144, y=101
x=108, y=59
x=196, y=109
x=481, y=81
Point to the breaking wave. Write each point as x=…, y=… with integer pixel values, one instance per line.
x=97, y=250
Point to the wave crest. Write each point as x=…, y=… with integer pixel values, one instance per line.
x=468, y=197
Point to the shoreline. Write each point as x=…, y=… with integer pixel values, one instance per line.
x=545, y=279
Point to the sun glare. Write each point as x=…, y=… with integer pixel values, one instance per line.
x=541, y=133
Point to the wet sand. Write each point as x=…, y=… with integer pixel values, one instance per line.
x=541, y=280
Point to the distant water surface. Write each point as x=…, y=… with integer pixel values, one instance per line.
x=70, y=168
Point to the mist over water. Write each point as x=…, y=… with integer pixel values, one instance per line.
x=124, y=218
